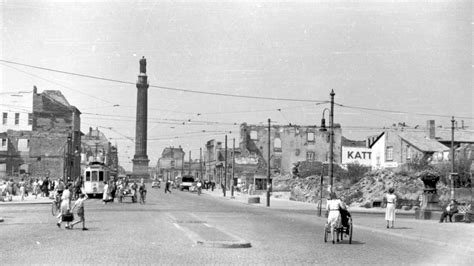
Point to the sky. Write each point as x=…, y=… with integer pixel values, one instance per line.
x=387, y=62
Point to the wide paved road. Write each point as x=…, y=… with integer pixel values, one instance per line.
x=166, y=228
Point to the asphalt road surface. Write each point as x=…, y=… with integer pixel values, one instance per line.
x=184, y=228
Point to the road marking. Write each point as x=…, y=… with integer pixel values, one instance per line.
x=189, y=228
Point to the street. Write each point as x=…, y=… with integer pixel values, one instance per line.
x=167, y=229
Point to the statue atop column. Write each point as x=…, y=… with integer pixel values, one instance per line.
x=143, y=65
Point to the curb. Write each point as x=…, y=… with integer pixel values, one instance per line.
x=223, y=244
x=24, y=203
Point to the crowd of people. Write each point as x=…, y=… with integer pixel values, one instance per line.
x=34, y=187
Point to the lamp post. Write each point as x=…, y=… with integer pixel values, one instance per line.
x=269, y=185
x=331, y=141
x=323, y=121
x=452, y=175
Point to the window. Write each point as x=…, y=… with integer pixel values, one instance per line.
x=389, y=156
x=277, y=145
x=409, y=152
x=88, y=176
x=253, y=135
x=17, y=118
x=101, y=176
x=309, y=156
x=30, y=119
x=4, y=142
x=310, y=136
x=5, y=118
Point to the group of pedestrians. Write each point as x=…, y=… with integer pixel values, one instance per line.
x=64, y=193
x=121, y=187
x=28, y=186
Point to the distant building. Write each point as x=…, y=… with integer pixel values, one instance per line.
x=171, y=163
x=289, y=144
x=97, y=148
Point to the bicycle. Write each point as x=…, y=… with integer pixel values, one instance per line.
x=56, y=205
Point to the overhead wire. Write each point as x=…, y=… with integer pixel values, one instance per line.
x=161, y=87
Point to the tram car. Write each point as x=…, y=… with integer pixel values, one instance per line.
x=94, y=176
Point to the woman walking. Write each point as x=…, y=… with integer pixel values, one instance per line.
x=391, y=200
x=334, y=216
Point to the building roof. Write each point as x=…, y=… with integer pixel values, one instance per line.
x=460, y=135
x=421, y=142
x=352, y=143
x=169, y=151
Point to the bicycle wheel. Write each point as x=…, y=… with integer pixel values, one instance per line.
x=350, y=232
x=325, y=234
x=54, y=208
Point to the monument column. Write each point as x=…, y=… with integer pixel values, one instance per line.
x=140, y=160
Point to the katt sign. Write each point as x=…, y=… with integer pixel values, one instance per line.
x=360, y=155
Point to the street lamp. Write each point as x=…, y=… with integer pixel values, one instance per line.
x=323, y=121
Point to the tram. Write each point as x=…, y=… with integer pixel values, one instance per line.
x=94, y=176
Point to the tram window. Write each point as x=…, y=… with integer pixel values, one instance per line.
x=101, y=176
x=88, y=176
x=94, y=176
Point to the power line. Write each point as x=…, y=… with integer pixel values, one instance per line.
x=56, y=83
x=399, y=112
x=162, y=87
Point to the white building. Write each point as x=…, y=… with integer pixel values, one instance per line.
x=16, y=109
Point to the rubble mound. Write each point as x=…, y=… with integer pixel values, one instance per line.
x=371, y=187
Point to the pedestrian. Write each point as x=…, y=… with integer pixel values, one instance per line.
x=106, y=194
x=134, y=189
x=66, y=194
x=60, y=187
x=65, y=214
x=35, y=188
x=199, y=187
x=79, y=204
x=334, y=215
x=450, y=210
x=45, y=187
x=142, y=190
x=22, y=185
x=167, y=186
x=112, y=189
x=213, y=185
x=391, y=202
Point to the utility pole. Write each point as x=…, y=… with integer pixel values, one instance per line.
x=331, y=142
x=189, y=171
x=225, y=166
x=268, y=167
x=200, y=163
x=452, y=175
x=233, y=166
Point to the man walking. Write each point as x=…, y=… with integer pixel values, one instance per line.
x=167, y=187
x=79, y=204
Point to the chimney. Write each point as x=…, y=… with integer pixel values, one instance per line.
x=462, y=124
x=430, y=125
x=90, y=131
x=35, y=90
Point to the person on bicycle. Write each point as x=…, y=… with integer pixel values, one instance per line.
x=60, y=188
x=199, y=186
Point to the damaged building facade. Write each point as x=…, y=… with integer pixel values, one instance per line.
x=49, y=144
x=289, y=144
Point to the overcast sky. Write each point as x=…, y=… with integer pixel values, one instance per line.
x=414, y=57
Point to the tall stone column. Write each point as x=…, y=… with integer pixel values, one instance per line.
x=140, y=160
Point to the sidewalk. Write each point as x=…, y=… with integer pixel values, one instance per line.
x=27, y=200
x=455, y=236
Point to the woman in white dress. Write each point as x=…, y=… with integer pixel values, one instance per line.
x=334, y=216
x=105, y=196
x=391, y=200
